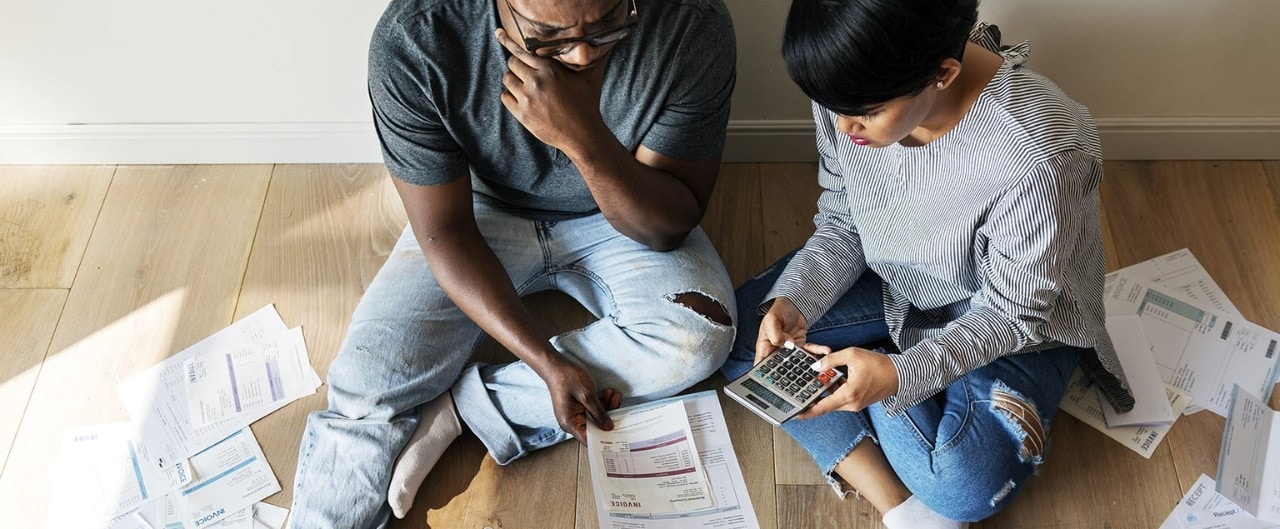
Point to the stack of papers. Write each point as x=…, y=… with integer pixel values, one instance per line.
x=1174, y=327
x=1204, y=508
x=1183, y=346
x=668, y=464
x=187, y=458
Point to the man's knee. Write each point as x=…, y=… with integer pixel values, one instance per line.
x=704, y=305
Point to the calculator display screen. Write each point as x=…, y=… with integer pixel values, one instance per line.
x=772, y=398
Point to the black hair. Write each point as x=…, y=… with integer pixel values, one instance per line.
x=851, y=55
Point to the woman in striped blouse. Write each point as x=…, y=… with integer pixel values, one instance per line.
x=956, y=270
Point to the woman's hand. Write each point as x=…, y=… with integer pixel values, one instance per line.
x=869, y=378
x=783, y=323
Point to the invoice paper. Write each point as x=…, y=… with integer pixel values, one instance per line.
x=229, y=476
x=1200, y=351
x=102, y=473
x=164, y=515
x=1180, y=274
x=1082, y=401
x=250, y=379
x=1249, y=464
x=732, y=506
x=156, y=398
x=649, y=462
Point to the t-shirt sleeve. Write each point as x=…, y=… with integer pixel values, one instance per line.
x=416, y=145
x=691, y=126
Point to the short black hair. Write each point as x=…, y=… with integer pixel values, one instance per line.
x=851, y=55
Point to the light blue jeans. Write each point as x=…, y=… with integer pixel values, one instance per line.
x=958, y=452
x=408, y=344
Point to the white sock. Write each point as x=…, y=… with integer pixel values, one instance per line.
x=914, y=514
x=438, y=426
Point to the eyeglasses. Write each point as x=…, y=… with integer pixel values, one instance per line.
x=552, y=48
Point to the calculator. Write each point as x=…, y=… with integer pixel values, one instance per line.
x=782, y=384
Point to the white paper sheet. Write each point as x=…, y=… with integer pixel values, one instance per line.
x=102, y=473
x=1202, y=352
x=1082, y=401
x=1151, y=401
x=711, y=435
x=156, y=398
x=1203, y=508
x=229, y=476
x=250, y=379
x=1249, y=464
x=268, y=516
x=649, y=463
x=1180, y=274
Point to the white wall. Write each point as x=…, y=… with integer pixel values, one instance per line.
x=177, y=81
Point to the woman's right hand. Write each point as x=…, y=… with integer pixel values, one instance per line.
x=784, y=322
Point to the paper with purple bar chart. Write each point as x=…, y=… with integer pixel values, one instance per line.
x=253, y=377
x=156, y=398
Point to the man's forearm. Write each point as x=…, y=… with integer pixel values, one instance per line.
x=646, y=204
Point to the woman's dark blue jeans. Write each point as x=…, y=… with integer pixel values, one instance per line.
x=964, y=453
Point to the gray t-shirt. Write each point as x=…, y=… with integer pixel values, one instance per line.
x=435, y=81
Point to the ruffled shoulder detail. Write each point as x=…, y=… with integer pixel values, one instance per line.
x=988, y=36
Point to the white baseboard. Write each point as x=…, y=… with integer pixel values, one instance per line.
x=189, y=143
x=1240, y=138
x=748, y=141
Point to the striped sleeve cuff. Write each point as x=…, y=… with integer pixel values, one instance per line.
x=975, y=340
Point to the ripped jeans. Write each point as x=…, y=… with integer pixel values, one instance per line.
x=408, y=343
x=964, y=453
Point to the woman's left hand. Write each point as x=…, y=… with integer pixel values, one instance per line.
x=869, y=378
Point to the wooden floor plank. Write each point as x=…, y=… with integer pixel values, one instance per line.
x=324, y=233
x=25, y=332
x=733, y=221
x=161, y=272
x=790, y=200
x=46, y=216
x=817, y=506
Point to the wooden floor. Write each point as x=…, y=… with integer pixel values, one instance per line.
x=107, y=270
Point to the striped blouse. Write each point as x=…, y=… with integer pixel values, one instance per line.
x=987, y=238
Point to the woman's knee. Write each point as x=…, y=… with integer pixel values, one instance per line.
x=974, y=481
x=972, y=495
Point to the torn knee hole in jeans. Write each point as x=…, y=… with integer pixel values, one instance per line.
x=1024, y=423
x=704, y=305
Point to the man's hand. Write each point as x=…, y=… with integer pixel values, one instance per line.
x=869, y=378
x=783, y=323
x=559, y=106
x=575, y=399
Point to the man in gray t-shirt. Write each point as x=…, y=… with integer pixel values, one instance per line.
x=536, y=144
